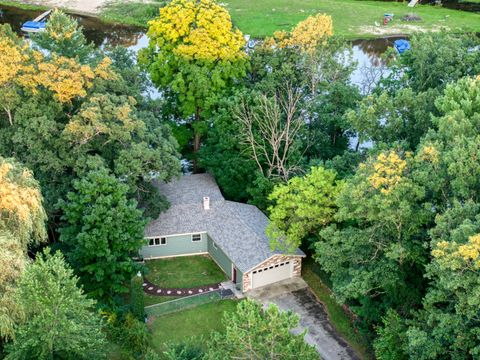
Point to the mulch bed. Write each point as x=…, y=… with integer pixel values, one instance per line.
x=153, y=289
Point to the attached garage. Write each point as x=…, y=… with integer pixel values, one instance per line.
x=271, y=274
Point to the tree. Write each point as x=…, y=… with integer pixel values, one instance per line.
x=376, y=249
x=253, y=332
x=66, y=112
x=22, y=223
x=60, y=322
x=435, y=60
x=302, y=207
x=194, y=55
x=63, y=37
x=272, y=130
x=447, y=326
x=102, y=229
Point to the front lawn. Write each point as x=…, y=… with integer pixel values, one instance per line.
x=198, y=321
x=184, y=272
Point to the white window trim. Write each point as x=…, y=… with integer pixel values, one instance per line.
x=214, y=245
x=195, y=241
x=160, y=243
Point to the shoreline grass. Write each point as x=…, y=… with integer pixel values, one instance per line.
x=338, y=317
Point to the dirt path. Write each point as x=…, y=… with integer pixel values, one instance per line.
x=90, y=7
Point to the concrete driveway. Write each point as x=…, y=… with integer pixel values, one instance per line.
x=294, y=295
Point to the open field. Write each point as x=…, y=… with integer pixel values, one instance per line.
x=352, y=19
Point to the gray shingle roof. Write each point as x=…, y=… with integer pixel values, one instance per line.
x=238, y=229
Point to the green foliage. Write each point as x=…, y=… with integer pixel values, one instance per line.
x=137, y=298
x=404, y=116
x=391, y=341
x=302, y=207
x=259, y=333
x=185, y=350
x=194, y=56
x=63, y=36
x=381, y=218
x=22, y=225
x=436, y=59
x=60, y=320
x=101, y=231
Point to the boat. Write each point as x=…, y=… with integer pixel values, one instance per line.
x=38, y=24
x=401, y=45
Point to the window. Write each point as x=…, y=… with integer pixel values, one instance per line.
x=196, y=237
x=214, y=245
x=157, y=241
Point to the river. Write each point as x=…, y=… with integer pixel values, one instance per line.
x=365, y=52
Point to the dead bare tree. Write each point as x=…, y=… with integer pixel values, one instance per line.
x=272, y=131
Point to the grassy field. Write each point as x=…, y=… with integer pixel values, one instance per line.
x=351, y=18
x=201, y=320
x=339, y=318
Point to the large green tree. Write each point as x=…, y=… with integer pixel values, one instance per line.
x=102, y=230
x=376, y=250
x=254, y=332
x=60, y=320
x=302, y=207
x=194, y=55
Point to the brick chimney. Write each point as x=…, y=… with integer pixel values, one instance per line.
x=206, y=202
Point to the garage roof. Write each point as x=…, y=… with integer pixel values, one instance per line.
x=238, y=229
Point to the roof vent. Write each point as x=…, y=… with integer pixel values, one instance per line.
x=206, y=202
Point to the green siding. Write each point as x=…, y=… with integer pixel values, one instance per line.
x=239, y=284
x=220, y=258
x=176, y=245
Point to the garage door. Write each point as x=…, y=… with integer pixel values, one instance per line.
x=271, y=274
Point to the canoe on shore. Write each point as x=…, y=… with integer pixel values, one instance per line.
x=36, y=25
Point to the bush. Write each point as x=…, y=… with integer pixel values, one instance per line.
x=137, y=299
x=185, y=350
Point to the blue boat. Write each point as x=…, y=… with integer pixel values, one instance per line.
x=401, y=45
x=36, y=25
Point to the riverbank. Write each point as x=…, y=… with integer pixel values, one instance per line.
x=352, y=19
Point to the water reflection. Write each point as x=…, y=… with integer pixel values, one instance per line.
x=99, y=33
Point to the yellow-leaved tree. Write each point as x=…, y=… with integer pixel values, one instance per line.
x=194, y=55
x=23, y=70
x=22, y=222
x=306, y=35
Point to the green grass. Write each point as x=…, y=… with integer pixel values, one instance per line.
x=21, y=5
x=201, y=320
x=181, y=272
x=340, y=320
x=135, y=14
x=184, y=271
x=351, y=18
x=183, y=303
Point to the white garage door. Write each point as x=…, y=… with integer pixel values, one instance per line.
x=271, y=274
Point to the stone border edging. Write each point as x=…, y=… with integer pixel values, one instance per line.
x=155, y=290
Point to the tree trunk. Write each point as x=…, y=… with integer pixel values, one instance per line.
x=196, y=140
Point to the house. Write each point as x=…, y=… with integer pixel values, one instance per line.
x=201, y=221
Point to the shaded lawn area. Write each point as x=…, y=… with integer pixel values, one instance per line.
x=198, y=321
x=352, y=19
x=184, y=271
x=338, y=317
